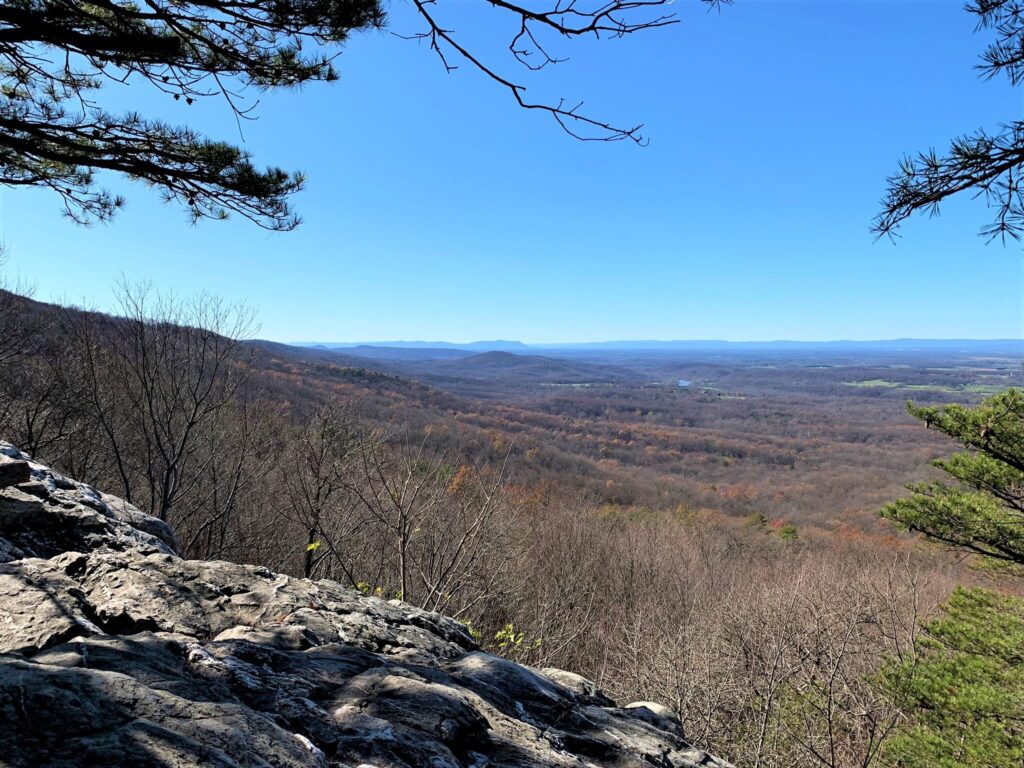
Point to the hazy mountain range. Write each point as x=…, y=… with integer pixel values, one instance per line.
x=1004, y=346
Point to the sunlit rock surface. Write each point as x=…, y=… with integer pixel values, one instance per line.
x=114, y=651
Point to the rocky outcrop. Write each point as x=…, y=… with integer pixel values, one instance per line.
x=115, y=651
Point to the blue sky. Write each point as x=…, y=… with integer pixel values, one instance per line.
x=437, y=210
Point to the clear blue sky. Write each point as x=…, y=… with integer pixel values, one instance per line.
x=436, y=210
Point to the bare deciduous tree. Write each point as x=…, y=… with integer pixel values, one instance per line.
x=152, y=378
x=316, y=497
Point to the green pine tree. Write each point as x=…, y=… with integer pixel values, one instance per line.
x=963, y=692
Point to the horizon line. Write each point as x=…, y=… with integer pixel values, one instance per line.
x=542, y=344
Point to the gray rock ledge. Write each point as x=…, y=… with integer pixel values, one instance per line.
x=115, y=651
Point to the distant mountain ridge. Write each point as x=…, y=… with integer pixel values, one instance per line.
x=498, y=345
x=375, y=349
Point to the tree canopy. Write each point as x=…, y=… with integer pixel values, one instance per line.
x=964, y=688
x=983, y=513
x=56, y=56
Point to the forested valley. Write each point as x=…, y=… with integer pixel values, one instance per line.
x=225, y=551
x=715, y=547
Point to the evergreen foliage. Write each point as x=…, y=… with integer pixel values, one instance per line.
x=984, y=512
x=963, y=689
x=56, y=55
x=987, y=162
